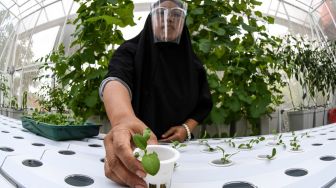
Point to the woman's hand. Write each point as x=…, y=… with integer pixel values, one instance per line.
x=178, y=133
x=120, y=164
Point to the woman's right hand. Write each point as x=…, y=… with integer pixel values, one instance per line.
x=120, y=164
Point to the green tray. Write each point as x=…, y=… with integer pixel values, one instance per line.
x=60, y=132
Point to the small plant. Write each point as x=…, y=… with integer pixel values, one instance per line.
x=280, y=141
x=176, y=144
x=24, y=100
x=272, y=155
x=150, y=161
x=202, y=141
x=250, y=144
x=209, y=148
x=57, y=119
x=226, y=157
x=306, y=134
x=294, y=143
x=230, y=141
x=293, y=133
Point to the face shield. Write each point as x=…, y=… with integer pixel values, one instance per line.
x=168, y=20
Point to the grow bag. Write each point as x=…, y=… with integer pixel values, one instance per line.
x=332, y=115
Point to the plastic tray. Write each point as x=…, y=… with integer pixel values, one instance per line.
x=60, y=132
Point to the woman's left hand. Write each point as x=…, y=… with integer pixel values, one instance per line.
x=178, y=133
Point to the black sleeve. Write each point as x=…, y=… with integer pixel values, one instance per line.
x=122, y=64
x=204, y=104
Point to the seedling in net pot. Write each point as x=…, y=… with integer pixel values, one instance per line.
x=294, y=144
x=150, y=161
x=176, y=144
x=209, y=148
x=230, y=141
x=280, y=141
x=270, y=157
x=250, y=144
x=226, y=157
x=306, y=134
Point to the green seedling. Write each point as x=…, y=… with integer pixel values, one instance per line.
x=280, y=141
x=150, y=161
x=230, y=141
x=306, y=134
x=250, y=144
x=176, y=144
x=202, y=142
x=209, y=148
x=272, y=155
x=294, y=143
x=226, y=157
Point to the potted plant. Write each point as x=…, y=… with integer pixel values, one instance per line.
x=241, y=68
x=249, y=145
x=295, y=146
x=268, y=157
x=224, y=160
x=178, y=146
x=157, y=160
x=208, y=148
x=83, y=69
x=57, y=126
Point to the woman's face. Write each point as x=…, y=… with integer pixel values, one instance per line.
x=167, y=21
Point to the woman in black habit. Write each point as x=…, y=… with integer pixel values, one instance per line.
x=154, y=80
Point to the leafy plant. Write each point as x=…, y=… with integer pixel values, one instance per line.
x=24, y=100
x=150, y=161
x=272, y=155
x=241, y=67
x=306, y=134
x=250, y=144
x=294, y=143
x=97, y=32
x=4, y=88
x=309, y=62
x=226, y=157
x=176, y=144
x=230, y=141
x=13, y=103
x=57, y=119
x=280, y=141
x=209, y=148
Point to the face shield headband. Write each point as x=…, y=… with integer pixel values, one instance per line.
x=168, y=20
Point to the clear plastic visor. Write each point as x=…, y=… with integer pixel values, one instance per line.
x=167, y=23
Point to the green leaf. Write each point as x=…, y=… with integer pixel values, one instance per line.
x=112, y=1
x=139, y=141
x=258, y=13
x=151, y=163
x=270, y=19
x=204, y=45
x=255, y=2
x=146, y=134
x=197, y=11
x=220, y=31
x=92, y=100
x=249, y=28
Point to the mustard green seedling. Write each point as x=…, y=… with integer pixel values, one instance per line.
x=176, y=144
x=150, y=161
x=226, y=157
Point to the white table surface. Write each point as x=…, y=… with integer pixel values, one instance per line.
x=193, y=168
